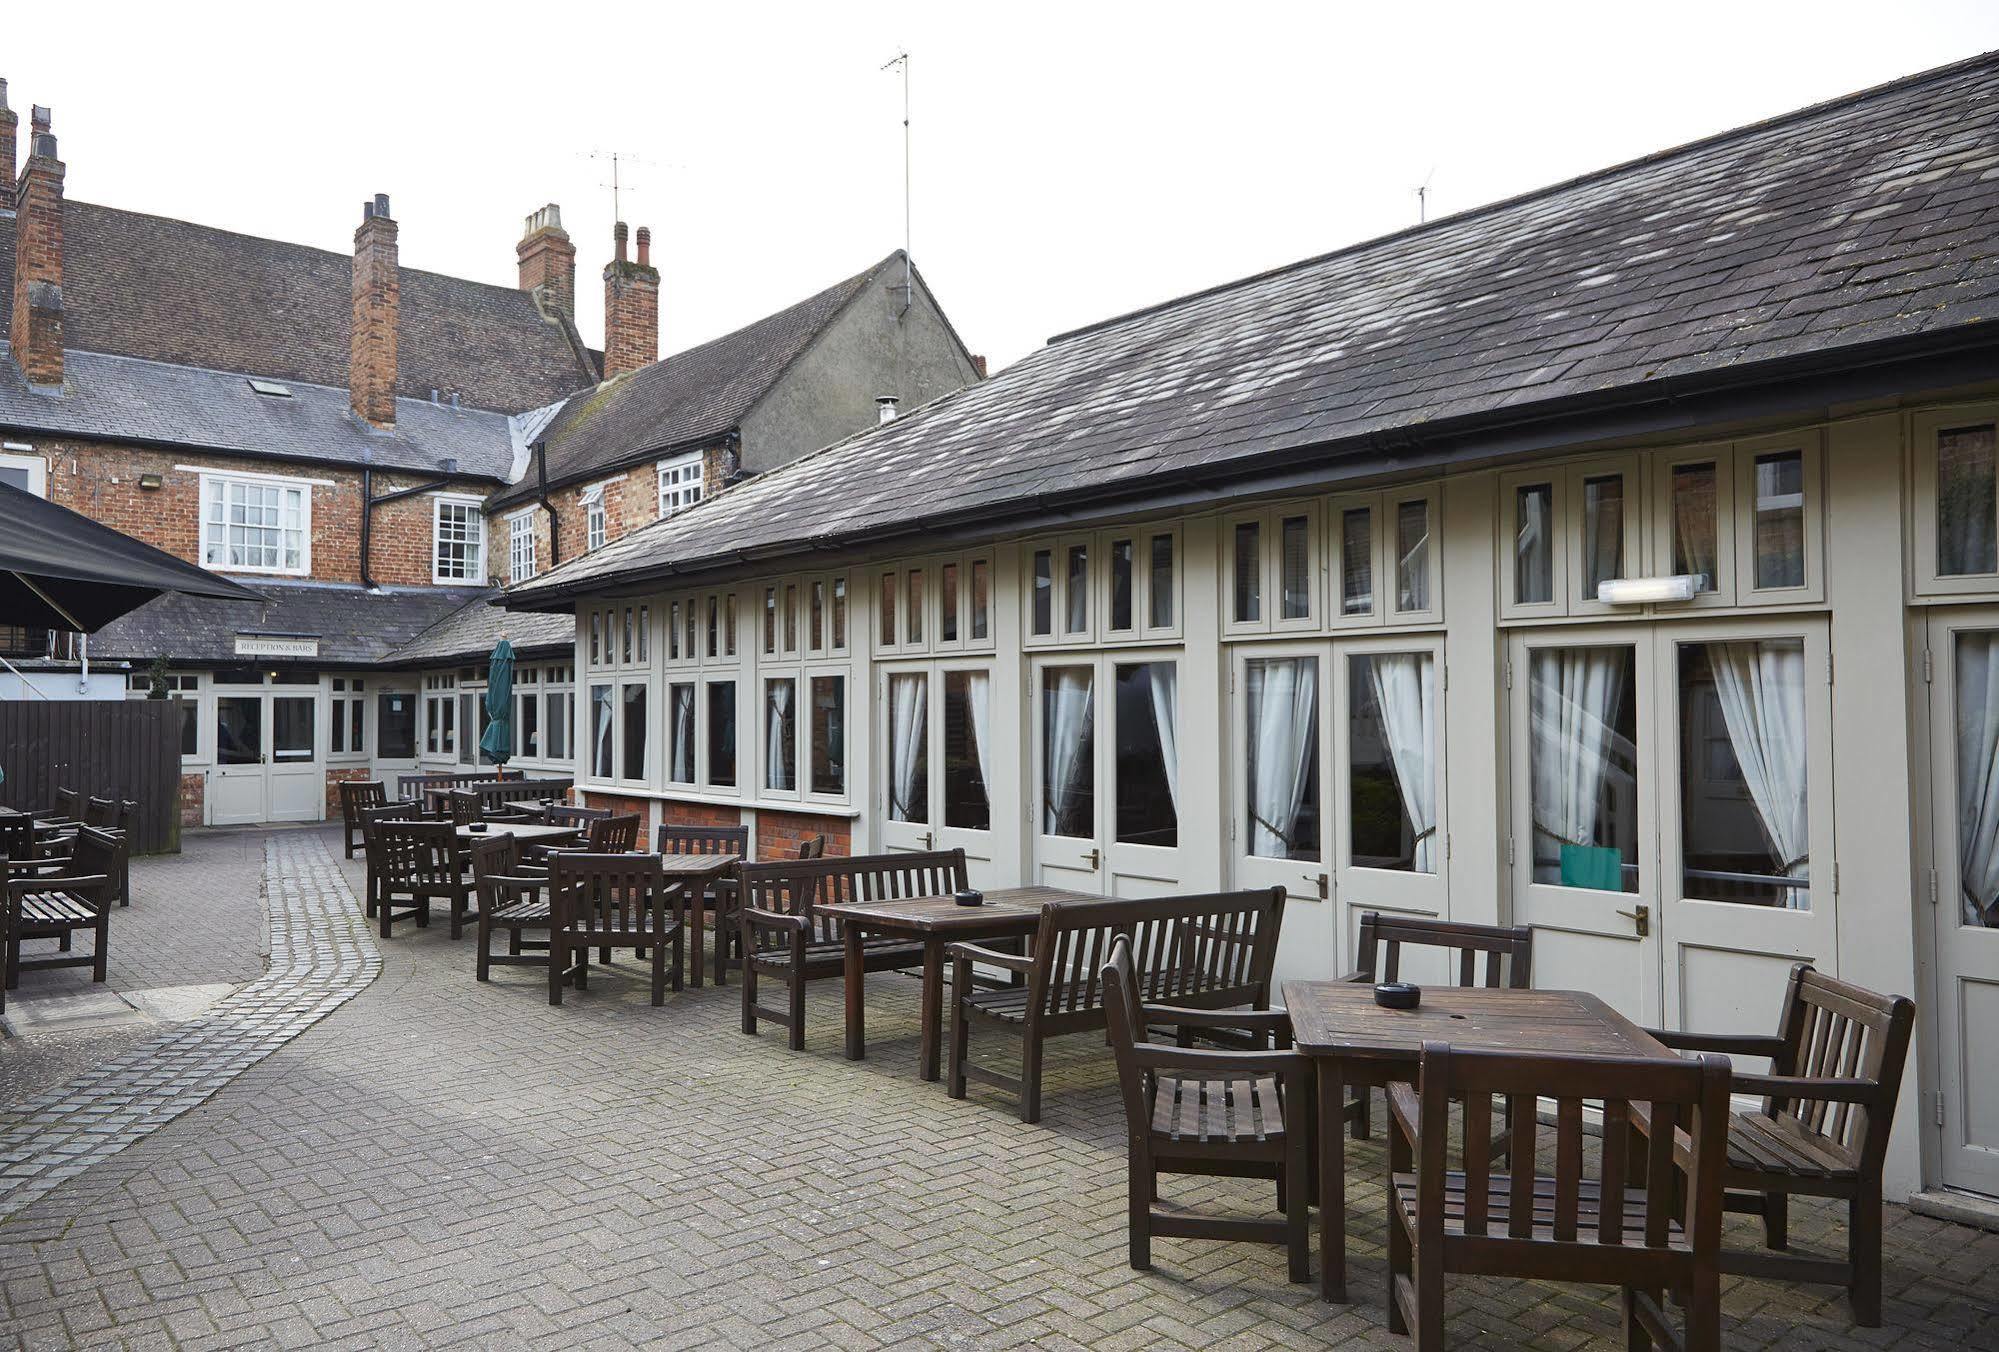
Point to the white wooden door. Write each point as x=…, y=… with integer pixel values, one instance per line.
x=936, y=761
x=1964, y=792
x=295, y=774
x=1583, y=839
x=1281, y=818
x=236, y=785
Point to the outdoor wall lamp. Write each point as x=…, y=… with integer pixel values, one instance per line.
x=1639, y=591
x=151, y=481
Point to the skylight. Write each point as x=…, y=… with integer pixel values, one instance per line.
x=270, y=389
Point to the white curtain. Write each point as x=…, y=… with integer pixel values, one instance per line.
x=779, y=760
x=908, y=698
x=1284, y=696
x=600, y=697
x=1978, y=777
x=1069, y=709
x=1165, y=700
x=1761, y=687
x=1405, y=691
x=1573, y=702
x=683, y=734
x=979, y=704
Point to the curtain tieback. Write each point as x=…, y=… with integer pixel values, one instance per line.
x=1557, y=836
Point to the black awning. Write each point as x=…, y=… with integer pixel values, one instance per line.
x=61, y=570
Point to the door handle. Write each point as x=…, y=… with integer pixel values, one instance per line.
x=1325, y=886
x=927, y=840
x=1642, y=918
x=1096, y=858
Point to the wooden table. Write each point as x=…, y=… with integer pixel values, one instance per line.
x=1353, y=1041
x=700, y=872
x=527, y=833
x=1008, y=912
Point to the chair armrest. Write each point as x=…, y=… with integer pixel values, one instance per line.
x=1800, y=1087
x=1261, y=1020
x=58, y=882
x=1736, y=1044
x=1217, y=1064
x=775, y=920
x=970, y=952
x=1405, y=1111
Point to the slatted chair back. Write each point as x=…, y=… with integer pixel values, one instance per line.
x=571, y=814
x=1508, y=951
x=668, y=839
x=18, y=838
x=421, y=854
x=493, y=857
x=1204, y=951
x=70, y=804
x=612, y=835
x=97, y=853
x=1835, y=1030
x=1128, y=1032
x=812, y=847
x=101, y=812
x=794, y=886
x=600, y=894
x=467, y=807
x=359, y=794
x=521, y=791
x=1569, y=1219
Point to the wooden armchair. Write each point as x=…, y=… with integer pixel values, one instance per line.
x=513, y=896
x=1822, y=1130
x=417, y=862
x=612, y=835
x=1660, y=1233
x=611, y=901
x=1509, y=961
x=724, y=896
x=57, y=905
x=354, y=797
x=467, y=807
x=1186, y=1111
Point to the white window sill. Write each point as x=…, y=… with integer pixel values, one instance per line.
x=696, y=795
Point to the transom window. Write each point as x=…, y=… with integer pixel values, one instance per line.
x=460, y=554
x=1957, y=501
x=679, y=483
x=256, y=525
x=937, y=605
x=520, y=547
x=1122, y=586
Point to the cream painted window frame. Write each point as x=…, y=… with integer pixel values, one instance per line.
x=1924, y=536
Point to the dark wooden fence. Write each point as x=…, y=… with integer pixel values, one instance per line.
x=111, y=748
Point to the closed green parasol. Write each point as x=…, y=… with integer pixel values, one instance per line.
x=498, y=743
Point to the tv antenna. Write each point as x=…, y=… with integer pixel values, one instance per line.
x=1423, y=197
x=900, y=64
x=619, y=161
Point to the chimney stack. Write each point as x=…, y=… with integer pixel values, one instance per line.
x=885, y=408
x=371, y=361
x=36, y=333
x=631, y=307
x=979, y=366
x=548, y=260
x=8, y=122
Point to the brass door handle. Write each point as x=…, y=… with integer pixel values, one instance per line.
x=1325, y=886
x=928, y=840
x=1096, y=859
x=1642, y=918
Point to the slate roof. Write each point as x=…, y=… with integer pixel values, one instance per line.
x=136, y=285
x=352, y=624
x=124, y=399
x=692, y=397
x=1840, y=233
x=475, y=627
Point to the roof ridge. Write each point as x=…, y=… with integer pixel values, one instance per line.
x=1747, y=129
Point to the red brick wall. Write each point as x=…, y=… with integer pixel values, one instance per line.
x=371, y=363
x=631, y=308
x=620, y=804
x=334, y=779
x=193, y=797
x=779, y=834
x=36, y=325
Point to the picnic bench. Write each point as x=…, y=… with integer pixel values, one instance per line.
x=1202, y=952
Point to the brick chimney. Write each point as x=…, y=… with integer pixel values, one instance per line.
x=371, y=359
x=36, y=333
x=548, y=260
x=8, y=122
x=631, y=308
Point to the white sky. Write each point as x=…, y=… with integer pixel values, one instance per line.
x=1072, y=161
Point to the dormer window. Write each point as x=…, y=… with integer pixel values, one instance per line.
x=679, y=483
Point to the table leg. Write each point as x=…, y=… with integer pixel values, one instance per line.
x=1332, y=1182
x=933, y=1006
x=857, y=1037
x=697, y=917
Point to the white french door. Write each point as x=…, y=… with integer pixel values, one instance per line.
x=1964, y=796
x=936, y=761
x=268, y=761
x=1106, y=770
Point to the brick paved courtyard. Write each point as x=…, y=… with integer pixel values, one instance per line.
x=437, y=1162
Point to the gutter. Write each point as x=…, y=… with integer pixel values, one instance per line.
x=540, y=449
x=369, y=502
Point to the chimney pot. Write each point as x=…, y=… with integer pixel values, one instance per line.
x=979, y=366
x=40, y=117
x=548, y=261
x=885, y=408
x=618, y=233
x=645, y=246
x=381, y=204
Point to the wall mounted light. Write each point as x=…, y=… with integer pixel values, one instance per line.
x=1640, y=591
x=151, y=481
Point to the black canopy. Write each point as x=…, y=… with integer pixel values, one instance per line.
x=61, y=570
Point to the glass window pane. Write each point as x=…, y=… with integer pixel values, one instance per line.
x=1780, y=520
x=239, y=730
x=680, y=735
x=1148, y=757
x=1412, y=555
x=339, y=725
x=947, y=604
x=839, y=615
x=1744, y=825
x=982, y=599
x=1695, y=524
x=1294, y=562
x=818, y=623
x=781, y=735
x=688, y=634
x=729, y=624
x=1121, y=584
x=1534, y=544
x=888, y=610
x=714, y=626
x=1068, y=752
x=1603, y=532
x=1248, y=572
x=635, y=732
x=1076, y=589
x=1977, y=672
x=673, y=632
x=770, y=619
x=913, y=611
x=601, y=719
x=559, y=708
x=1967, y=501
x=829, y=734
x=527, y=725
x=1281, y=760
x=1044, y=592
x=722, y=734
x=909, y=747
x=1583, y=764
x=1391, y=762
x=967, y=749
x=395, y=725
x=790, y=617
x=1357, y=561
x=1159, y=587
x=645, y=634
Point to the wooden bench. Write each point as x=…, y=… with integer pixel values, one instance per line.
x=1205, y=952
x=783, y=939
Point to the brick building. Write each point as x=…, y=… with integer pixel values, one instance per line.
x=375, y=449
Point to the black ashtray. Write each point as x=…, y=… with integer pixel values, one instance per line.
x=476, y=827
x=969, y=897
x=1398, y=995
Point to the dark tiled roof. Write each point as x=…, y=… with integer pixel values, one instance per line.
x=690, y=397
x=123, y=399
x=1871, y=222
x=474, y=628
x=146, y=286
x=353, y=625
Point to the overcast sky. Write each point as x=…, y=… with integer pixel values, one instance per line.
x=1071, y=161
